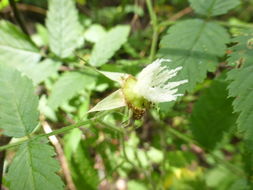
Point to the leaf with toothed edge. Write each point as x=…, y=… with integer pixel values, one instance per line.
x=213, y=7
x=241, y=86
x=34, y=168
x=18, y=103
x=65, y=31
x=195, y=45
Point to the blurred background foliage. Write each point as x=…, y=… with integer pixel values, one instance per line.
x=175, y=146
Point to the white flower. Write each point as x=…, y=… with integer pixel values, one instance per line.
x=151, y=85
x=152, y=82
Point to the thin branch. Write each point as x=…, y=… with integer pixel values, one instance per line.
x=64, y=164
x=27, y=8
x=181, y=13
x=59, y=131
x=18, y=16
x=55, y=132
x=155, y=29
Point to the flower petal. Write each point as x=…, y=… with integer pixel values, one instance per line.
x=113, y=101
x=146, y=76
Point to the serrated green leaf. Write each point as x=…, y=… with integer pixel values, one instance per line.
x=65, y=31
x=18, y=103
x=67, y=86
x=195, y=45
x=33, y=168
x=212, y=115
x=15, y=47
x=105, y=48
x=213, y=7
x=83, y=172
x=241, y=86
x=242, y=53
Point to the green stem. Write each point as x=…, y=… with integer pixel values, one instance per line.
x=55, y=132
x=155, y=29
x=227, y=24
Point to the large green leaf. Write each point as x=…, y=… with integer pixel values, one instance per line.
x=212, y=115
x=33, y=168
x=195, y=45
x=65, y=31
x=241, y=85
x=15, y=47
x=18, y=103
x=108, y=44
x=67, y=86
x=213, y=7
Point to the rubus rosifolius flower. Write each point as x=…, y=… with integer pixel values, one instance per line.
x=151, y=85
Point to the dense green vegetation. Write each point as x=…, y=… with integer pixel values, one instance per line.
x=141, y=134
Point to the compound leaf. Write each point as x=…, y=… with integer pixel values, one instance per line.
x=65, y=31
x=213, y=7
x=108, y=44
x=34, y=168
x=18, y=103
x=195, y=45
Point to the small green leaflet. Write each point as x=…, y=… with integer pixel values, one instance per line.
x=33, y=168
x=68, y=86
x=15, y=47
x=65, y=31
x=241, y=86
x=105, y=48
x=212, y=115
x=213, y=7
x=18, y=103
x=195, y=45
x=94, y=33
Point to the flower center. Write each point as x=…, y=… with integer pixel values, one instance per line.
x=134, y=100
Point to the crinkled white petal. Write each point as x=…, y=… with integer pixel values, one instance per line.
x=162, y=77
x=113, y=101
x=146, y=76
x=152, y=82
x=115, y=76
x=171, y=85
x=158, y=95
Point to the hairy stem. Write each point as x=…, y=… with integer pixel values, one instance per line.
x=18, y=16
x=55, y=132
x=155, y=29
